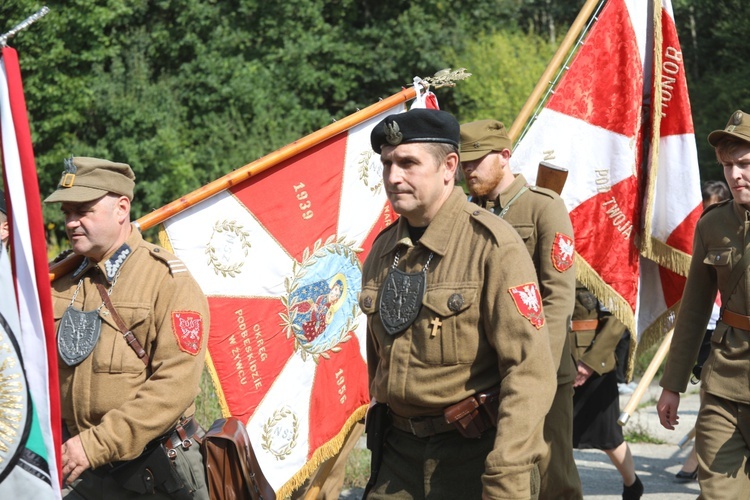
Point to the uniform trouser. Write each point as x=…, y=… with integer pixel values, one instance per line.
x=722, y=442
x=560, y=479
x=445, y=466
x=94, y=486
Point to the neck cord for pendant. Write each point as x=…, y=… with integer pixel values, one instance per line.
x=507, y=207
x=109, y=292
x=424, y=269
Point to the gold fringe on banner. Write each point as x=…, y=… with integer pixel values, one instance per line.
x=613, y=301
x=322, y=454
x=673, y=259
x=653, y=171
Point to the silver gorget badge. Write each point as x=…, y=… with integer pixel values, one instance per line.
x=401, y=299
x=78, y=334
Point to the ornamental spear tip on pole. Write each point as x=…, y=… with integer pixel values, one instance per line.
x=23, y=25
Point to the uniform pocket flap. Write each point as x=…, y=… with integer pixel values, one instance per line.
x=718, y=257
x=585, y=338
x=449, y=300
x=132, y=315
x=524, y=230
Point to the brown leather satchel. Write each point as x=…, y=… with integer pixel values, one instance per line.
x=232, y=470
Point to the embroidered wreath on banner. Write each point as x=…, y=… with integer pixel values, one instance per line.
x=321, y=298
x=274, y=428
x=233, y=234
x=369, y=168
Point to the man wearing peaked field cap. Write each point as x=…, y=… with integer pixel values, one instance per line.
x=719, y=263
x=87, y=179
x=455, y=321
x=541, y=219
x=131, y=338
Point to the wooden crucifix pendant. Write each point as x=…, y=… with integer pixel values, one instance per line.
x=436, y=324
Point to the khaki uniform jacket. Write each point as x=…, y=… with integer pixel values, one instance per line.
x=538, y=215
x=484, y=342
x=721, y=238
x=595, y=348
x=111, y=399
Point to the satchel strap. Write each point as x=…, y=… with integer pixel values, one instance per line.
x=734, y=278
x=126, y=333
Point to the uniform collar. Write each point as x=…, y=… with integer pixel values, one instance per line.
x=436, y=237
x=111, y=264
x=519, y=182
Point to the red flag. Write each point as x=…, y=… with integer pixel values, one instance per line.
x=596, y=124
x=29, y=260
x=279, y=257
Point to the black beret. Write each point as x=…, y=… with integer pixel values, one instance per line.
x=416, y=125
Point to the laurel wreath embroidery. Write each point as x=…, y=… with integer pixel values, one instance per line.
x=331, y=246
x=365, y=160
x=272, y=422
x=221, y=227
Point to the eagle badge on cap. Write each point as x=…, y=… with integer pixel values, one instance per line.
x=393, y=133
x=734, y=121
x=69, y=175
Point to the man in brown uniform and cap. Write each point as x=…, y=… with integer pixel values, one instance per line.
x=720, y=262
x=541, y=219
x=454, y=312
x=131, y=335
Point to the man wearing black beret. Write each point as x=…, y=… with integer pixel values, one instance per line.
x=456, y=332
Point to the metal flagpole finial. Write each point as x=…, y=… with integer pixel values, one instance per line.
x=447, y=78
x=23, y=25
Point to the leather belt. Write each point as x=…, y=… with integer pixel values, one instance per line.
x=735, y=320
x=580, y=325
x=421, y=426
x=188, y=428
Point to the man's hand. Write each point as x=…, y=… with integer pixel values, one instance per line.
x=584, y=372
x=74, y=460
x=669, y=402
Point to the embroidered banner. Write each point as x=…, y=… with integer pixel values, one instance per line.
x=279, y=257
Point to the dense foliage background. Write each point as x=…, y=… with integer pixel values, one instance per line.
x=186, y=90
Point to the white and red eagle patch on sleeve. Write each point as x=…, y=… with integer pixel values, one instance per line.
x=562, y=252
x=187, y=327
x=529, y=303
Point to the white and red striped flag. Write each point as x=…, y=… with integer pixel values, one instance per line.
x=279, y=257
x=36, y=473
x=598, y=124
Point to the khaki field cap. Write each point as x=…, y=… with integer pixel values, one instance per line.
x=481, y=138
x=87, y=179
x=738, y=126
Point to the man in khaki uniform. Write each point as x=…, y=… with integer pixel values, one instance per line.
x=121, y=394
x=541, y=219
x=720, y=262
x=453, y=311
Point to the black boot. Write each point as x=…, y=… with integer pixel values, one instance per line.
x=634, y=491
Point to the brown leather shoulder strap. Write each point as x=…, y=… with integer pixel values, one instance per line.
x=126, y=333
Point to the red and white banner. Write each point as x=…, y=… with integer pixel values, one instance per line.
x=37, y=472
x=279, y=257
x=598, y=124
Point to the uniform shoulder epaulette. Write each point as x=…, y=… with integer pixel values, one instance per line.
x=175, y=265
x=547, y=192
x=714, y=206
x=488, y=220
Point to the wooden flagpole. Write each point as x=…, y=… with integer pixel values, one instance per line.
x=554, y=65
x=251, y=169
x=648, y=376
